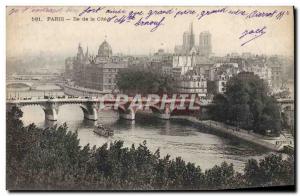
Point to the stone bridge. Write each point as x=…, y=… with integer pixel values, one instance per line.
x=32, y=84
x=163, y=109
x=28, y=83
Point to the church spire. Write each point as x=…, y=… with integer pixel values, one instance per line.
x=191, y=28
x=191, y=37
x=79, y=48
x=80, y=53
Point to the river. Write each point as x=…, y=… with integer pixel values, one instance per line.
x=173, y=137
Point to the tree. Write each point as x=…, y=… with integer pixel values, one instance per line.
x=211, y=87
x=270, y=171
x=246, y=104
x=144, y=81
x=220, y=108
x=219, y=177
x=252, y=173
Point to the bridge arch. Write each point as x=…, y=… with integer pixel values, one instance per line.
x=84, y=109
x=89, y=110
x=155, y=109
x=65, y=109
x=28, y=110
x=50, y=111
x=128, y=113
x=10, y=84
x=164, y=113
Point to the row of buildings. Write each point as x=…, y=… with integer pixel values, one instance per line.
x=210, y=77
x=193, y=66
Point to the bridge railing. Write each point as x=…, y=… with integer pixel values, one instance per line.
x=100, y=99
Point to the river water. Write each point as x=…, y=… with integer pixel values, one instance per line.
x=173, y=137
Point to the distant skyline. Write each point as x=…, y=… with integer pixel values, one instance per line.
x=25, y=37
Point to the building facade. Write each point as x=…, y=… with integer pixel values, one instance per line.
x=96, y=72
x=193, y=83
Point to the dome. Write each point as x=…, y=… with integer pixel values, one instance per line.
x=105, y=49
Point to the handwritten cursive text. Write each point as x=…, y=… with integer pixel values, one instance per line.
x=249, y=35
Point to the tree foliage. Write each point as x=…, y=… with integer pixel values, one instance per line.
x=144, y=81
x=246, y=104
x=52, y=159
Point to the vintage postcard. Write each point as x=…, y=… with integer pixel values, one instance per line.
x=150, y=98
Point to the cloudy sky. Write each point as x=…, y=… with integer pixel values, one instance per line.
x=25, y=37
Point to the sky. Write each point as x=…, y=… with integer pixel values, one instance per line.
x=26, y=37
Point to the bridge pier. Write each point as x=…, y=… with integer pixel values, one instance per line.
x=51, y=111
x=91, y=116
x=90, y=111
x=164, y=113
x=51, y=114
x=127, y=113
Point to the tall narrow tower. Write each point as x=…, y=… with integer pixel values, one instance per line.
x=188, y=39
x=80, y=55
x=205, y=47
x=192, y=36
x=86, y=56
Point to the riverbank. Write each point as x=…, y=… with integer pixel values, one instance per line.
x=273, y=144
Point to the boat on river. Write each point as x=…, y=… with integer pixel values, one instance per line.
x=103, y=131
